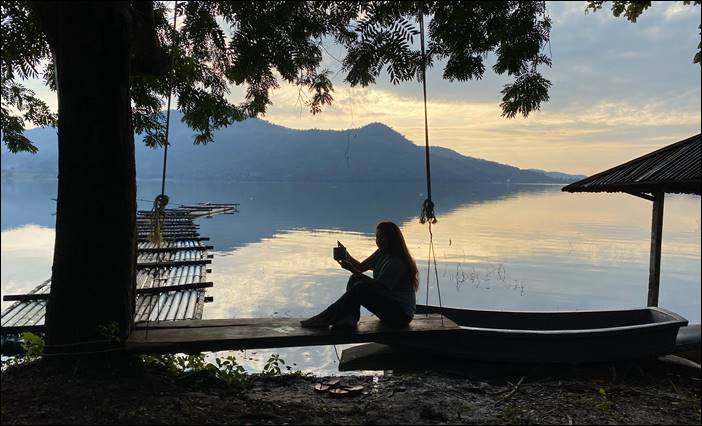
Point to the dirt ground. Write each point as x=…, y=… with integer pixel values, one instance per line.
x=641, y=393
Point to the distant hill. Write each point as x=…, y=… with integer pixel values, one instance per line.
x=258, y=150
x=561, y=177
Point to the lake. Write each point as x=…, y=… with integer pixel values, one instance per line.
x=515, y=247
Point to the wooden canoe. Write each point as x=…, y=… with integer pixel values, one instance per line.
x=556, y=337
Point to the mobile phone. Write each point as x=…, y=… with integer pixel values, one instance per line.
x=339, y=252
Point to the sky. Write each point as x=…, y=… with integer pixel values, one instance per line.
x=620, y=90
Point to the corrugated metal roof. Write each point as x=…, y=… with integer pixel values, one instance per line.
x=675, y=168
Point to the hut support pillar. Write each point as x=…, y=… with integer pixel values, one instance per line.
x=654, y=272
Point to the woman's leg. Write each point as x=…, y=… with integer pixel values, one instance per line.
x=378, y=299
x=347, y=309
x=331, y=314
x=374, y=296
x=356, y=314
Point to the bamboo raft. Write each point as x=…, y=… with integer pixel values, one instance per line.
x=171, y=276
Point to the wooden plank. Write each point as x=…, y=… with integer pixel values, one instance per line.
x=21, y=329
x=210, y=204
x=25, y=297
x=173, y=264
x=169, y=212
x=260, y=333
x=185, y=218
x=148, y=222
x=375, y=356
x=179, y=287
x=171, y=239
x=167, y=233
x=148, y=290
x=167, y=228
x=170, y=249
x=654, y=270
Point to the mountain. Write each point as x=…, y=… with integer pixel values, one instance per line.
x=258, y=150
x=561, y=177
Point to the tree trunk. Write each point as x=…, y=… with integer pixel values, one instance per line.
x=92, y=299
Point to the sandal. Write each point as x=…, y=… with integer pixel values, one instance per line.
x=321, y=387
x=327, y=384
x=346, y=391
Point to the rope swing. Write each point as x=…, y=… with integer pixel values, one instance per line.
x=158, y=215
x=427, y=214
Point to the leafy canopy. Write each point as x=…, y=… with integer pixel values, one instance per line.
x=257, y=44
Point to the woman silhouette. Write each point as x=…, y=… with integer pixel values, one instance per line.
x=390, y=294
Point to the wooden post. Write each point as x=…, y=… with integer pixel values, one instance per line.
x=654, y=271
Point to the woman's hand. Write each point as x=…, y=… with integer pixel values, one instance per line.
x=348, y=266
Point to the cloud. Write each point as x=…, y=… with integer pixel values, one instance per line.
x=678, y=10
x=547, y=139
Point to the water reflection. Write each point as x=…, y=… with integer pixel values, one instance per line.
x=497, y=247
x=27, y=254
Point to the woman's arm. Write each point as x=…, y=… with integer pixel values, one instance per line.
x=366, y=264
x=363, y=278
x=357, y=274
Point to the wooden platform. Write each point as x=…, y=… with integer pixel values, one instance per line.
x=260, y=333
x=171, y=276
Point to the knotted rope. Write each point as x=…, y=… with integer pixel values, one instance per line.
x=158, y=217
x=427, y=214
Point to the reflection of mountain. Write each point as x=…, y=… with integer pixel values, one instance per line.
x=269, y=208
x=256, y=150
x=28, y=201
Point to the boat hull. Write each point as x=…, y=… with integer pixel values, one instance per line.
x=555, y=337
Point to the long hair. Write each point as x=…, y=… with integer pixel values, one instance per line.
x=397, y=247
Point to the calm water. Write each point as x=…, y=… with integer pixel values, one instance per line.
x=497, y=247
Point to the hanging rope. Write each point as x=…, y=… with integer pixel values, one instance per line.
x=158, y=214
x=427, y=214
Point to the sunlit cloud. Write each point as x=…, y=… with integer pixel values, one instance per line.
x=678, y=10
x=546, y=139
x=37, y=239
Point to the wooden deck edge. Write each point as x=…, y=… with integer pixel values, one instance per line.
x=263, y=333
x=214, y=345
x=22, y=329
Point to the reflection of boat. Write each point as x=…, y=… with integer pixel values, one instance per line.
x=571, y=337
x=554, y=337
